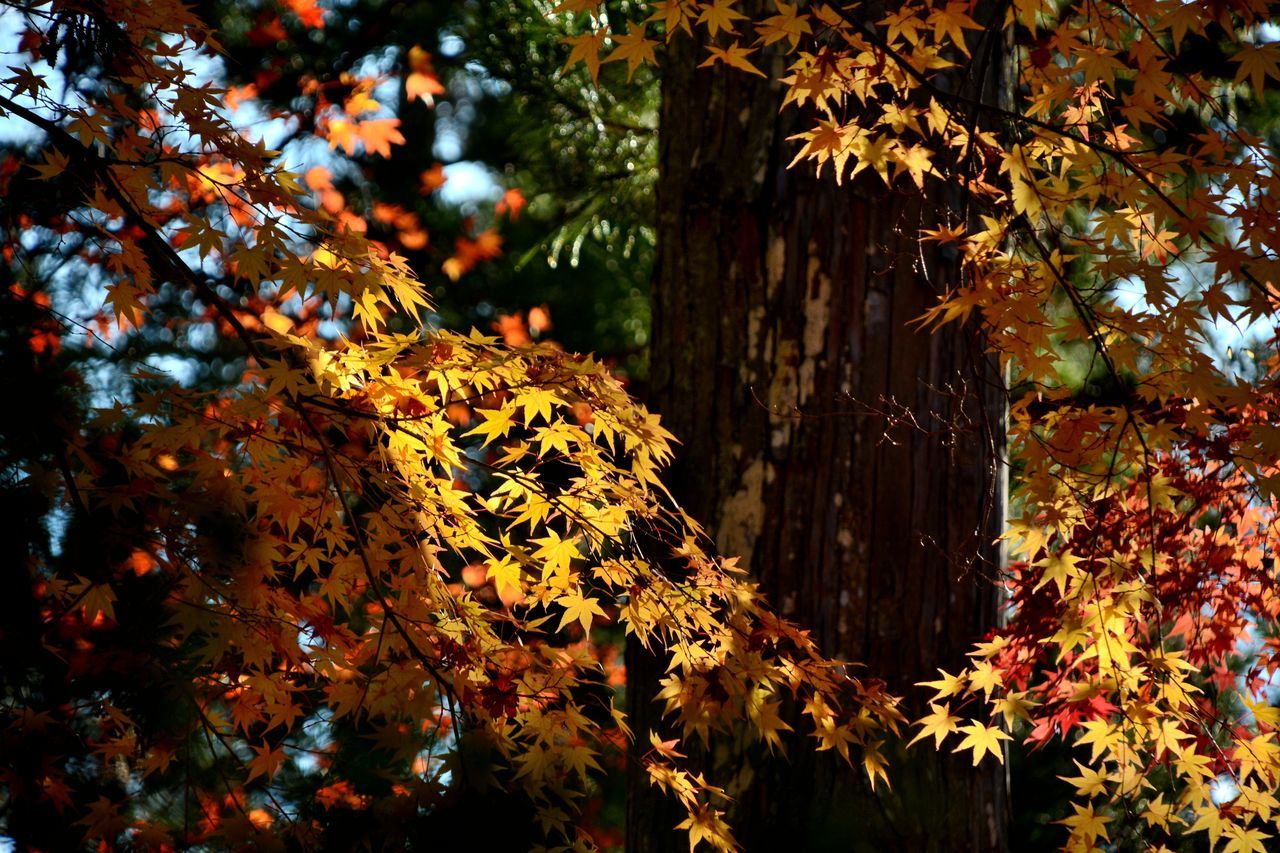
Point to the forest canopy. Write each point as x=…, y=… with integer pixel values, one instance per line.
x=328, y=530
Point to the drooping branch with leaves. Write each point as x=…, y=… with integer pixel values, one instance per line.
x=1115, y=221
x=357, y=577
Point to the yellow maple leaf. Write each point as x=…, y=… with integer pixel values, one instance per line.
x=578, y=608
x=1090, y=782
x=787, y=24
x=634, y=48
x=496, y=424
x=1258, y=62
x=1100, y=736
x=719, y=15
x=1245, y=840
x=915, y=161
x=939, y=723
x=1086, y=824
x=266, y=761
x=874, y=763
x=505, y=574
x=734, y=55
x=586, y=49
x=982, y=740
x=1014, y=706
x=556, y=554
x=950, y=22
x=1058, y=568
x=707, y=824
x=948, y=685
x=984, y=677
x=538, y=402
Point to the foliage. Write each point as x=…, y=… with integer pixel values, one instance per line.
x=358, y=576
x=478, y=83
x=1115, y=202
x=363, y=572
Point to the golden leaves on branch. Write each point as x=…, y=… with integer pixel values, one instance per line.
x=1100, y=226
x=406, y=535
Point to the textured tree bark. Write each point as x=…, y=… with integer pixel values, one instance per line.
x=781, y=304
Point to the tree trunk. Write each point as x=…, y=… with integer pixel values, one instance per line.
x=850, y=459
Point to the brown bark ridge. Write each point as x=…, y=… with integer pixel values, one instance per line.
x=780, y=311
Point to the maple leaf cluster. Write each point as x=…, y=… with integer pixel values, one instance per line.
x=1112, y=204
x=389, y=545
x=403, y=538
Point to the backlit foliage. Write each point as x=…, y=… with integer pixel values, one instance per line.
x=409, y=534
x=380, y=531
x=1116, y=207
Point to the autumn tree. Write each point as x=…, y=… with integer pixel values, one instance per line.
x=345, y=587
x=1115, y=211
